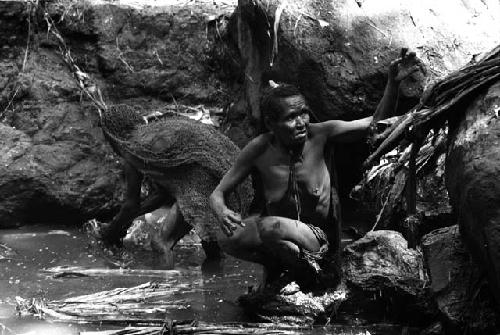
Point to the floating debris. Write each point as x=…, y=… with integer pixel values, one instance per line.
x=145, y=304
x=6, y=252
x=202, y=328
x=79, y=271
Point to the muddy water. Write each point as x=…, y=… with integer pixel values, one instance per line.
x=34, y=248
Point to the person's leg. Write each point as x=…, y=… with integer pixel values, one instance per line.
x=173, y=228
x=276, y=230
x=285, y=238
x=245, y=242
x=112, y=233
x=154, y=201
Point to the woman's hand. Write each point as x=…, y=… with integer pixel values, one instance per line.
x=405, y=66
x=229, y=220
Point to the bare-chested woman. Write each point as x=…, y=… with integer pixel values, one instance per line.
x=295, y=228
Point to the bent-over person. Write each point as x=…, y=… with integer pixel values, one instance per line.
x=296, y=229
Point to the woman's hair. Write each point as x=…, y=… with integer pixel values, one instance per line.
x=270, y=103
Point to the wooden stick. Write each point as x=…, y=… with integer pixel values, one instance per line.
x=62, y=271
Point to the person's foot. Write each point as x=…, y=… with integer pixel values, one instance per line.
x=307, y=275
x=274, y=280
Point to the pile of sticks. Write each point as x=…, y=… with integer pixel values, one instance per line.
x=202, y=328
x=145, y=304
x=79, y=271
x=442, y=101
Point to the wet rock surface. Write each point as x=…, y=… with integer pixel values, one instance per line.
x=472, y=170
x=457, y=284
x=386, y=279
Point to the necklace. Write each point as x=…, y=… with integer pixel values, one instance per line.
x=293, y=185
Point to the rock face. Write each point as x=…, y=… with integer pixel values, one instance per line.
x=472, y=177
x=456, y=284
x=170, y=50
x=385, y=279
x=56, y=165
x=338, y=52
x=63, y=173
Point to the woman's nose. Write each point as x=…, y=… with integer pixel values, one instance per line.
x=300, y=120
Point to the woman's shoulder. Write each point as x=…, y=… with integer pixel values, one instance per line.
x=258, y=145
x=317, y=131
x=261, y=140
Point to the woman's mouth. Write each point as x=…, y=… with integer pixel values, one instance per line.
x=301, y=133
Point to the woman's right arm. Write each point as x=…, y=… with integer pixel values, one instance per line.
x=236, y=174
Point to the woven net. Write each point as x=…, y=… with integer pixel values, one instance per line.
x=184, y=157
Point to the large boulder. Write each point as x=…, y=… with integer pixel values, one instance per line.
x=472, y=178
x=457, y=284
x=59, y=177
x=386, y=279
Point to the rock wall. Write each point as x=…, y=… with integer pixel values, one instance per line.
x=338, y=52
x=457, y=285
x=472, y=178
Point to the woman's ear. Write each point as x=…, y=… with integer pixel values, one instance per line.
x=268, y=123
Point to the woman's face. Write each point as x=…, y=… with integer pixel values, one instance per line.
x=292, y=126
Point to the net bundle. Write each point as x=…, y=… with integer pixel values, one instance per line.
x=119, y=121
x=184, y=156
x=170, y=141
